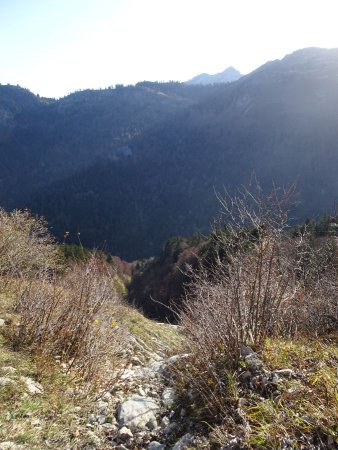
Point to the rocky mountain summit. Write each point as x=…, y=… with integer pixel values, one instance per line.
x=227, y=76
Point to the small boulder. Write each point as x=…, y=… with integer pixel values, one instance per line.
x=156, y=446
x=4, y=381
x=102, y=407
x=137, y=412
x=106, y=397
x=287, y=373
x=165, y=422
x=168, y=397
x=32, y=386
x=2, y=323
x=124, y=434
x=136, y=361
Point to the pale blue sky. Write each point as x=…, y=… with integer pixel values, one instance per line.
x=54, y=47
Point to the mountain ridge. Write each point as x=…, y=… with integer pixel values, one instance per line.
x=132, y=166
x=228, y=75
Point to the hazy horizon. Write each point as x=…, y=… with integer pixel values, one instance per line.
x=55, y=47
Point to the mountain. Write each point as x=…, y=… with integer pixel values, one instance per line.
x=227, y=76
x=132, y=166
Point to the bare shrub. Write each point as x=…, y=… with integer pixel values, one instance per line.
x=257, y=280
x=74, y=316
x=315, y=306
x=26, y=246
x=240, y=299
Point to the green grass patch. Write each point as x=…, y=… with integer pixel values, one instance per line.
x=306, y=412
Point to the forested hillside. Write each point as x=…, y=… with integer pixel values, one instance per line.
x=132, y=166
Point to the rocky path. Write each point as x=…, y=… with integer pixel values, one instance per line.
x=137, y=411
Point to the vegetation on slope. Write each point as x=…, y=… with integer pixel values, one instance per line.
x=257, y=354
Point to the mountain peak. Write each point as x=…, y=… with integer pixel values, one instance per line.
x=227, y=76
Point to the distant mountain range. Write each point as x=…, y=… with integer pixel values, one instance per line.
x=132, y=166
x=227, y=76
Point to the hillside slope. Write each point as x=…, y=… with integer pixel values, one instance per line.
x=130, y=167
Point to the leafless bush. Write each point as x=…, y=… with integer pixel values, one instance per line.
x=26, y=246
x=315, y=305
x=259, y=281
x=239, y=301
x=74, y=316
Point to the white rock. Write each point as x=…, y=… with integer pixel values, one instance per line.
x=288, y=373
x=136, y=361
x=100, y=419
x=124, y=434
x=33, y=387
x=141, y=392
x=102, y=407
x=183, y=443
x=168, y=397
x=2, y=323
x=106, y=397
x=5, y=381
x=127, y=374
x=156, y=446
x=165, y=422
x=36, y=422
x=136, y=412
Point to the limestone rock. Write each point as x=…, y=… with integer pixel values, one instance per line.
x=124, y=434
x=137, y=412
x=165, y=422
x=5, y=381
x=287, y=373
x=33, y=387
x=168, y=397
x=156, y=446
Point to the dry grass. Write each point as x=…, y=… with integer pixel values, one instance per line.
x=263, y=283
x=74, y=316
x=306, y=412
x=154, y=336
x=55, y=419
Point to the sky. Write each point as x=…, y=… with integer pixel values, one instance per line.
x=55, y=47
